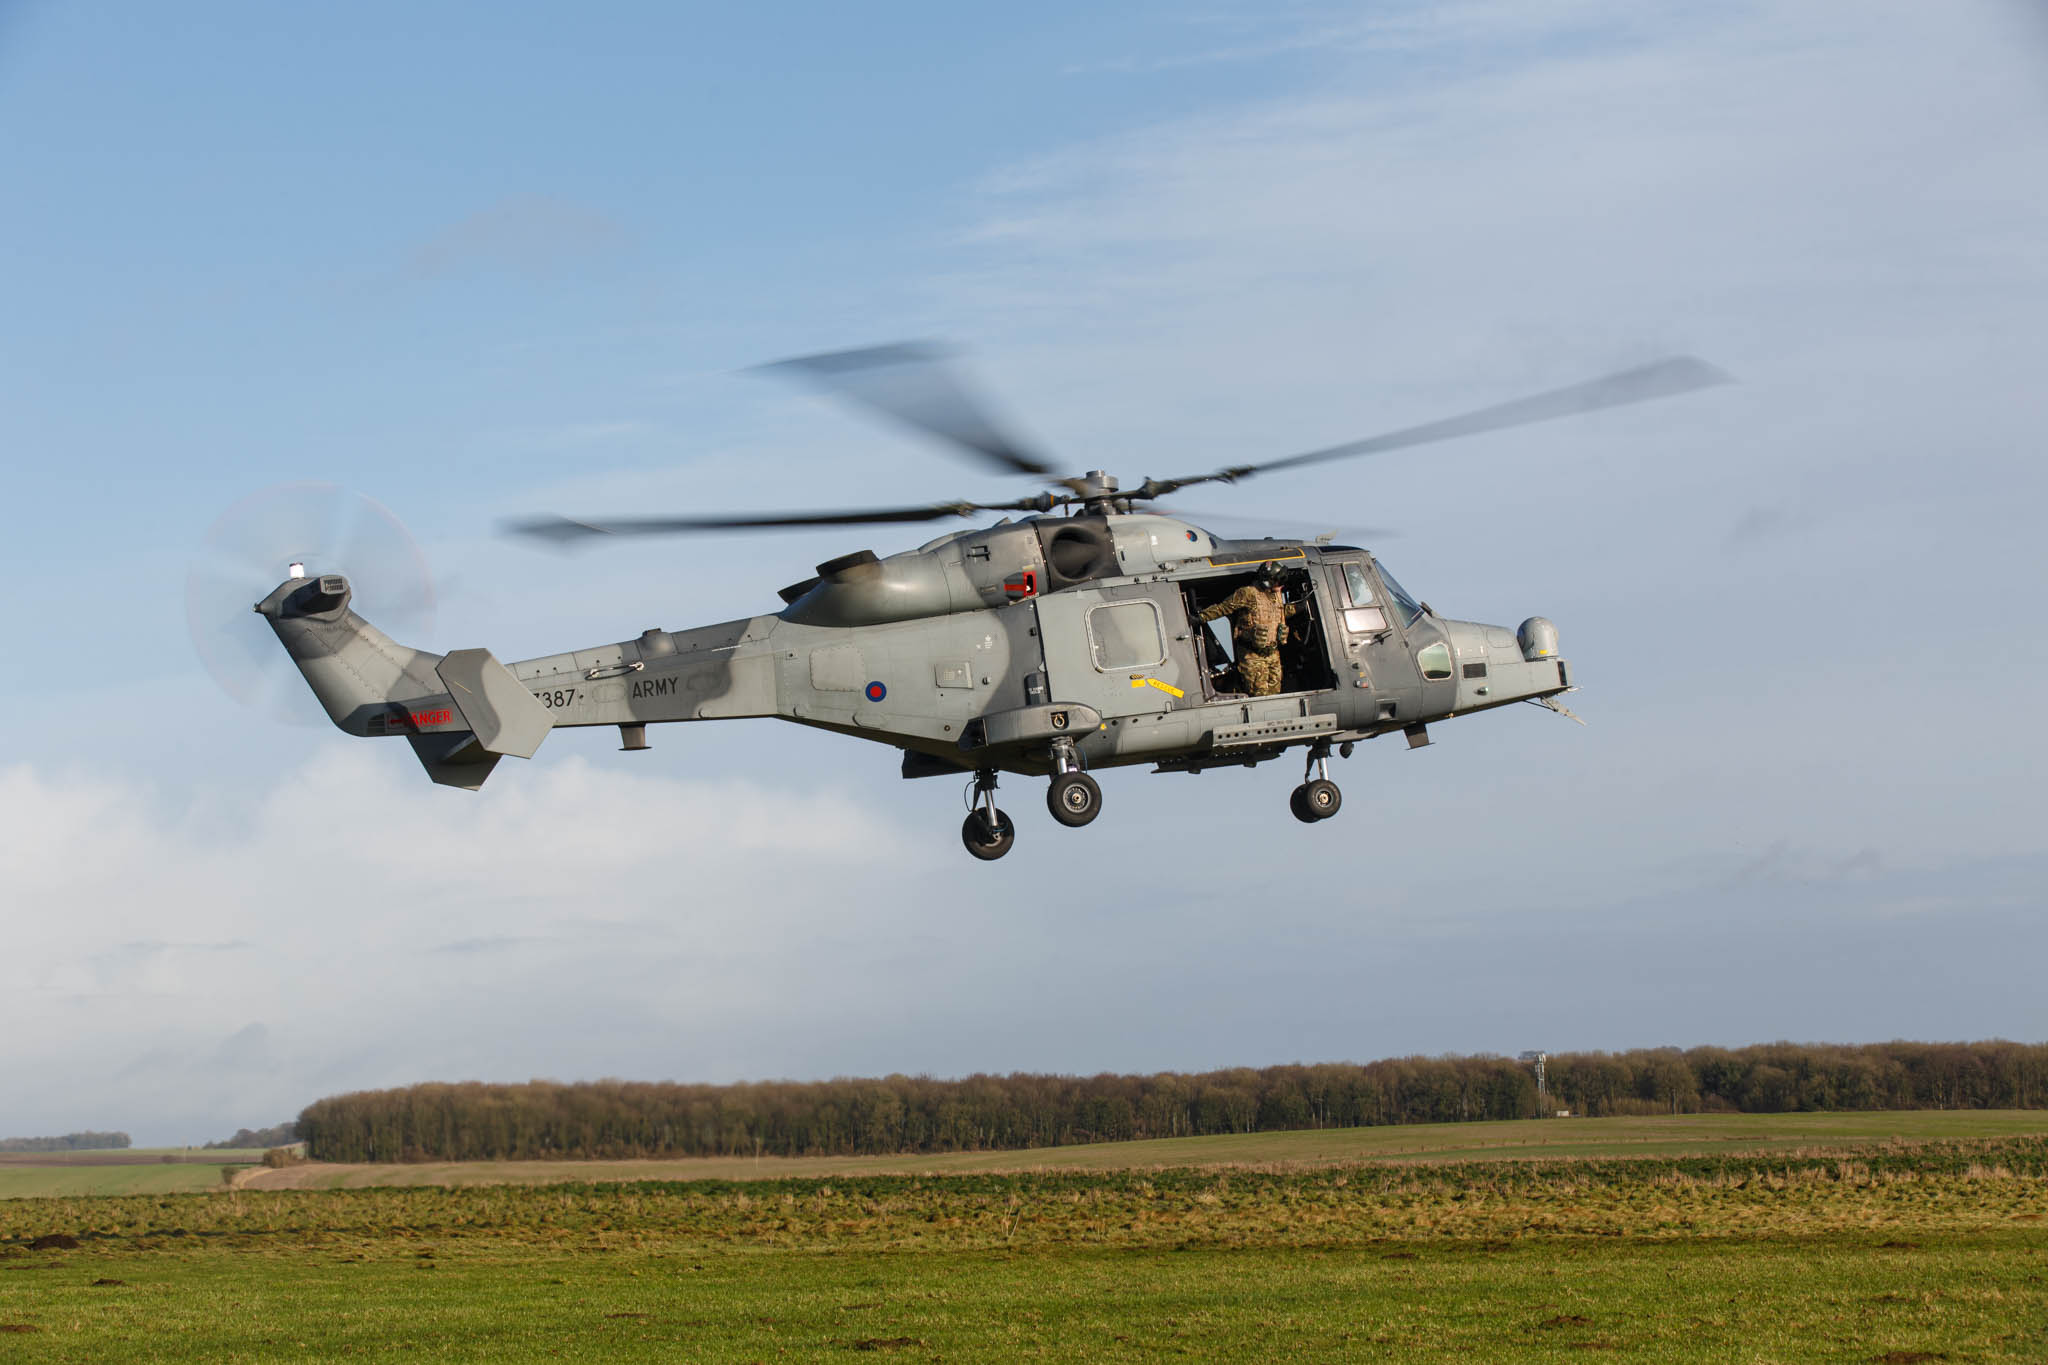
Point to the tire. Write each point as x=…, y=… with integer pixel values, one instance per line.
x=1298, y=803
x=984, y=843
x=1321, y=798
x=1073, y=799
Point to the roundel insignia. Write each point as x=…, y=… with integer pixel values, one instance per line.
x=876, y=691
x=1191, y=535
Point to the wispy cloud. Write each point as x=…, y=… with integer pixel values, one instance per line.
x=1263, y=33
x=494, y=943
x=528, y=234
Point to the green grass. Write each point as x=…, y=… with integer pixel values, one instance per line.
x=125, y=1170
x=1860, y=1253
x=17, y=1182
x=1675, y=1135
x=1976, y=1297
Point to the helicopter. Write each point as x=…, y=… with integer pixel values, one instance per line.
x=1062, y=642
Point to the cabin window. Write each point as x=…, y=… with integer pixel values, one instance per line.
x=1126, y=635
x=1364, y=620
x=1435, y=661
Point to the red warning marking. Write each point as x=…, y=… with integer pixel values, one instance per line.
x=410, y=720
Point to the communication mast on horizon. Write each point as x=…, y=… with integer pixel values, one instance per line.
x=1537, y=1059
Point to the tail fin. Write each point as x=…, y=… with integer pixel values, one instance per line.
x=461, y=712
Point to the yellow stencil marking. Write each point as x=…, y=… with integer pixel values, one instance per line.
x=1165, y=687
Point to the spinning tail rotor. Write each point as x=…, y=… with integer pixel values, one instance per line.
x=296, y=529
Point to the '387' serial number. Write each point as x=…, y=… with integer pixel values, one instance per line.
x=561, y=696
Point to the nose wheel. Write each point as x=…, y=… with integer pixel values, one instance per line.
x=1317, y=798
x=1073, y=799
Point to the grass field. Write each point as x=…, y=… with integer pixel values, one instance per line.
x=1898, y=1250
x=1679, y=1135
x=127, y=1170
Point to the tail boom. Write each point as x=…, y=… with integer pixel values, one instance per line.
x=461, y=711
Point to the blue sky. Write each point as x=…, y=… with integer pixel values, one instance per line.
x=487, y=261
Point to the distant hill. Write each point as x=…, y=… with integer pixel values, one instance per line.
x=70, y=1142
x=283, y=1135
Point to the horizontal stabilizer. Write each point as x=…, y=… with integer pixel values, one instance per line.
x=505, y=717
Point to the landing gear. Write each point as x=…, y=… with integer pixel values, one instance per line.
x=1073, y=798
x=984, y=840
x=986, y=831
x=1317, y=798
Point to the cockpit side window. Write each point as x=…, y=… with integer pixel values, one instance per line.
x=1362, y=615
x=1357, y=587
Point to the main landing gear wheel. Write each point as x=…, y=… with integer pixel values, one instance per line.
x=1317, y=800
x=1074, y=799
x=983, y=841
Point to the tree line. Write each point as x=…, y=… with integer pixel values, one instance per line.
x=70, y=1142
x=279, y=1135
x=475, y=1121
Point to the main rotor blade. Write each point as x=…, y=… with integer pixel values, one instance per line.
x=564, y=530
x=1664, y=379
x=911, y=383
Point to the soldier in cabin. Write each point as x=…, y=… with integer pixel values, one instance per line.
x=1258, y=624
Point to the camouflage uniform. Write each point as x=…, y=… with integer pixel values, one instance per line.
x=1258, y=623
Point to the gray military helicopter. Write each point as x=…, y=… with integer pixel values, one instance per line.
x=1055, y=645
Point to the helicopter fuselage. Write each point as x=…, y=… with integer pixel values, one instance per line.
x=1054, y=644
x=1041, y=646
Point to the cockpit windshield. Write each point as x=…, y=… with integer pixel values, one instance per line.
x=1410, y=608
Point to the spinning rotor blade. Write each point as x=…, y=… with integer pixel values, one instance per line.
x=247, y=552
x=565, y=531
x=911, y=383
x=1664, y=379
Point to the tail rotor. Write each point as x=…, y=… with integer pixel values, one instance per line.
x=310, y=528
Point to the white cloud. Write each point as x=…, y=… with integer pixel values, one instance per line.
x=205, y=955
